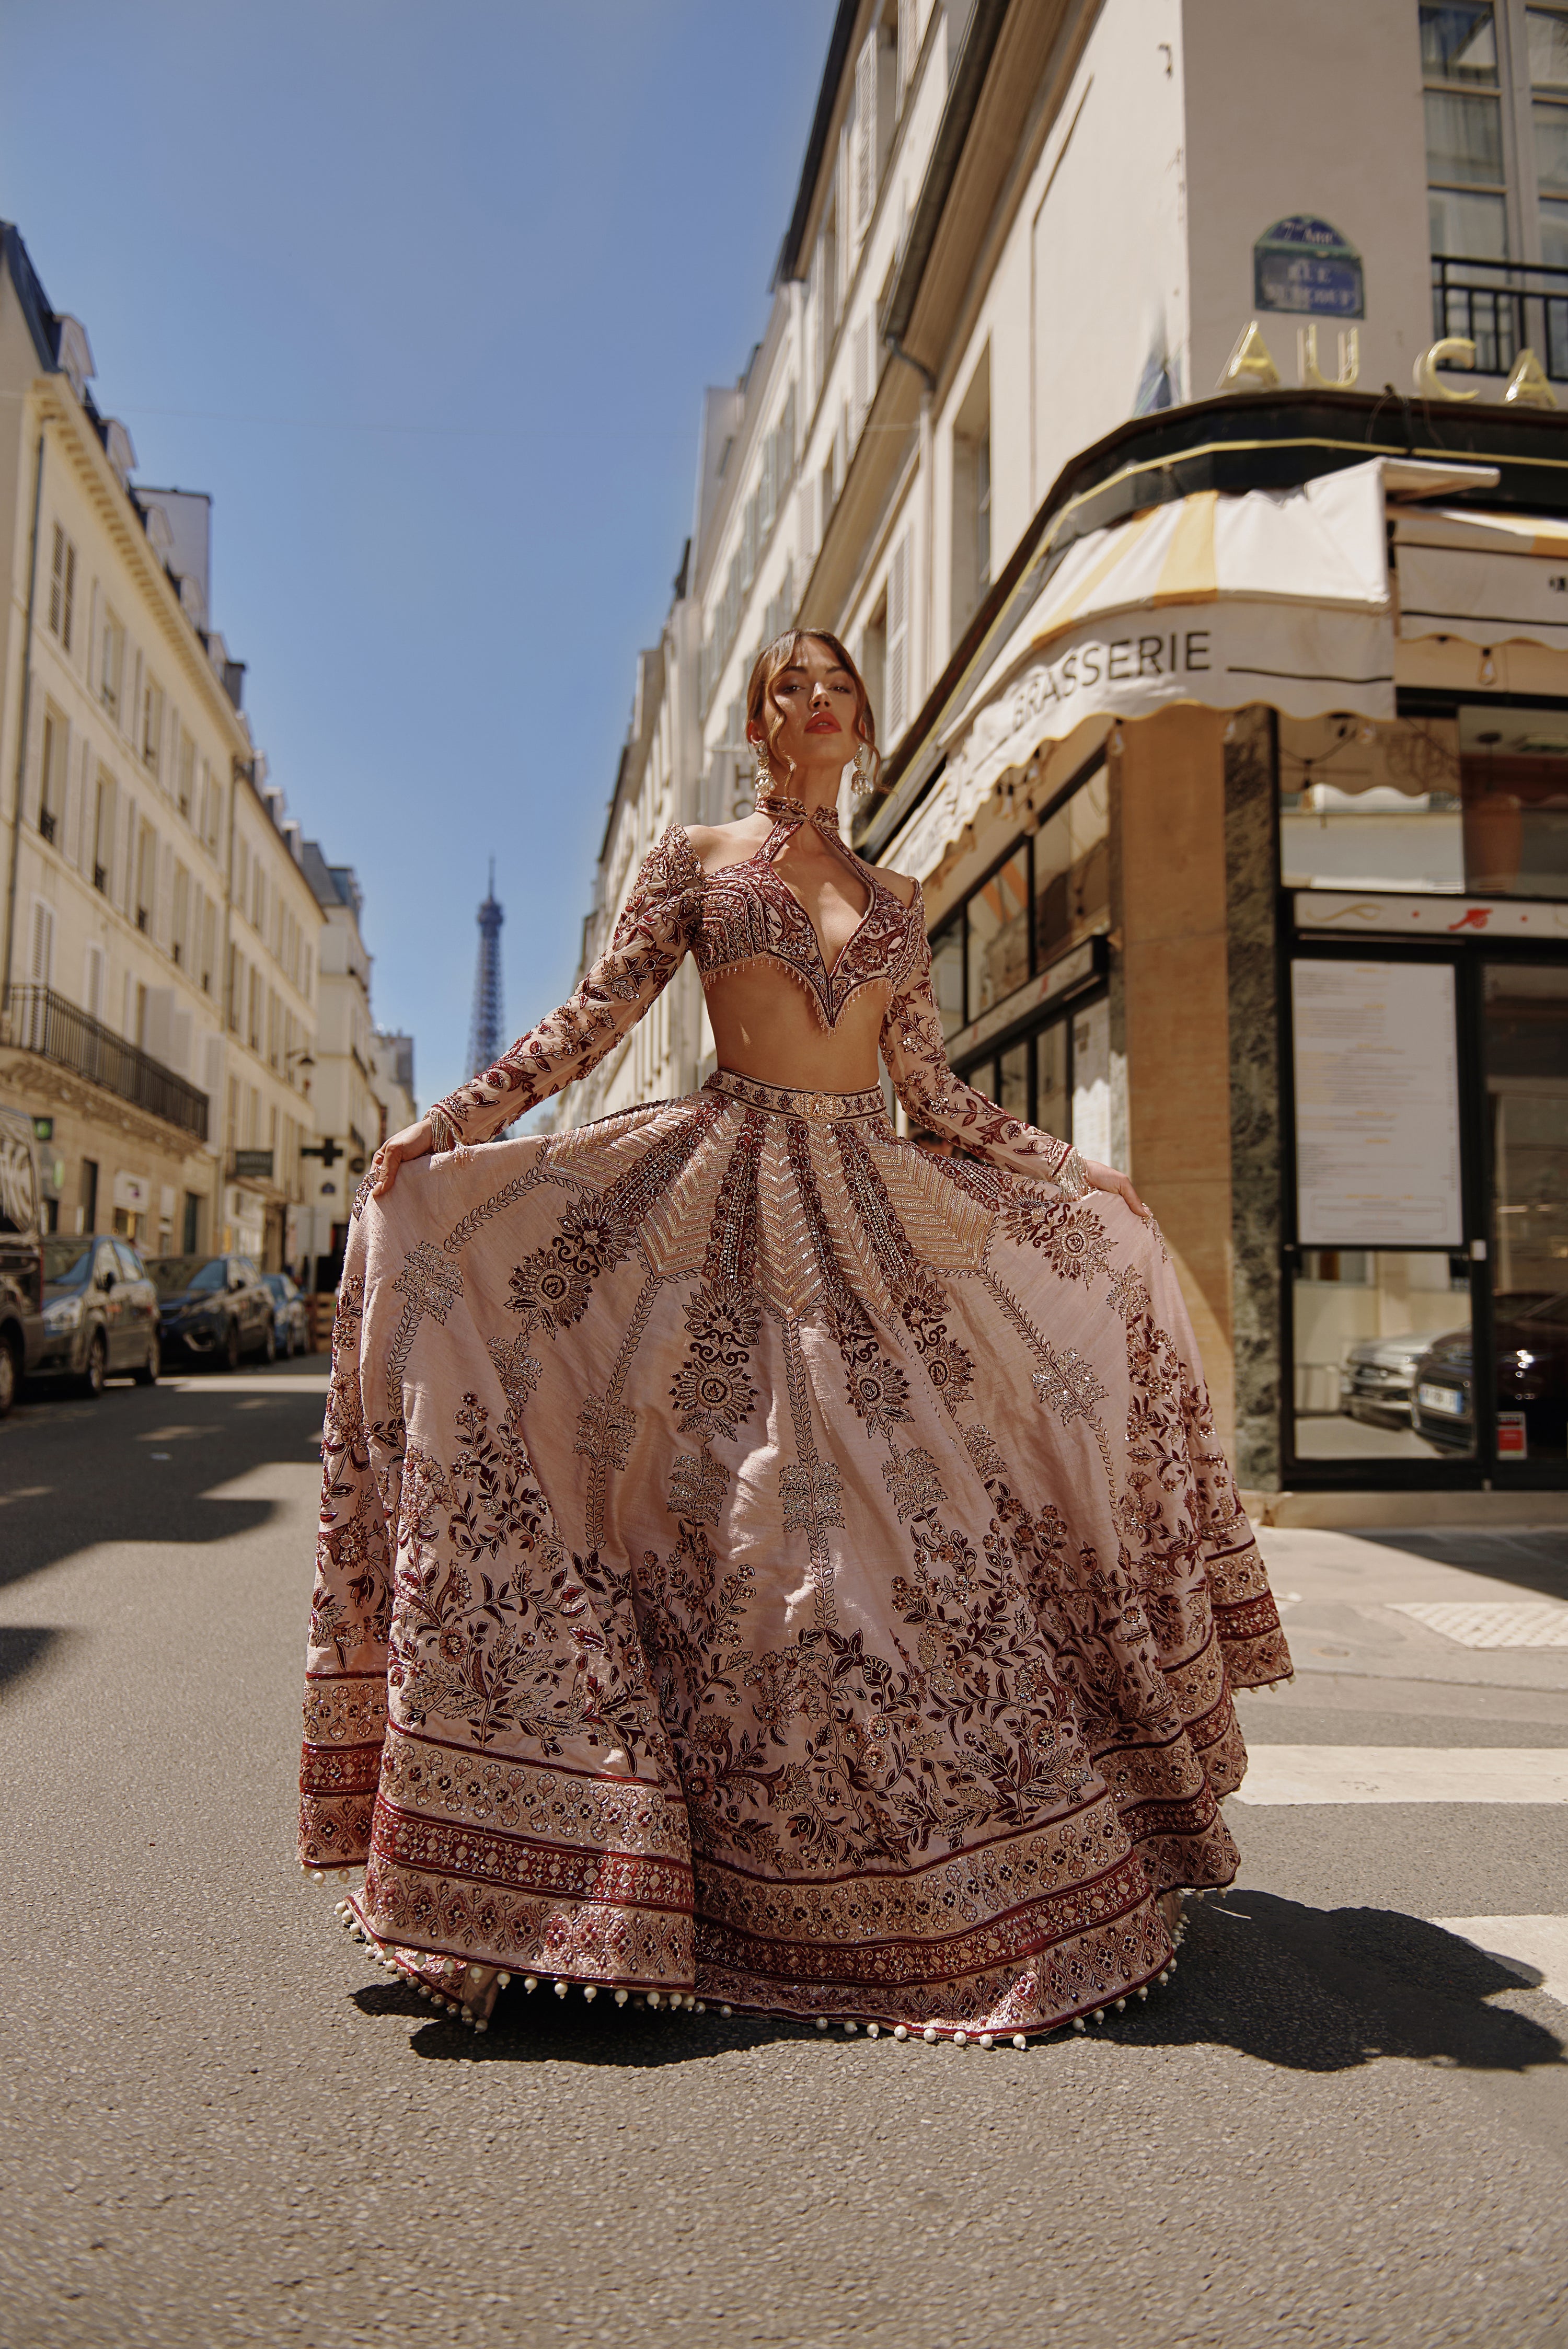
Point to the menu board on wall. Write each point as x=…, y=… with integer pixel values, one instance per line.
x=1376, y=1105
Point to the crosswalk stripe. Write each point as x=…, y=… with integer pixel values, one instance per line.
x=1405, y=1773
x=1537, y=1945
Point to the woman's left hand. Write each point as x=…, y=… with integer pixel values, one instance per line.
x=1106, y=1178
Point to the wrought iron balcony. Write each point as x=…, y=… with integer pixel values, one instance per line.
x=36, y=1019
x=1504, y=307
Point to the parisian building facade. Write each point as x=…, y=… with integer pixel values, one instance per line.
x=363, y=1083
x=164, y=947
x=1160, y=398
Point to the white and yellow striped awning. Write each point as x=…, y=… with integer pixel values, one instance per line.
x=1275, y=595
x=1283, y=596
x=1494, y=578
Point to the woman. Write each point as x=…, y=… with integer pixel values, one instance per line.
x=763, y=1561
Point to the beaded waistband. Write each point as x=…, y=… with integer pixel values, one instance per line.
x=786, y=1101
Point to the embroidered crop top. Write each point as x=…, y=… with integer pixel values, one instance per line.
x=746, y=914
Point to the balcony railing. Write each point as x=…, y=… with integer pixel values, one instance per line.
x=1504, y=307
x=36, y=1019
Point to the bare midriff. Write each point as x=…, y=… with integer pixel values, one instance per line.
x=765, y=1026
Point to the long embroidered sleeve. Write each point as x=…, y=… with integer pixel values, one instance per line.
x=649, y=945
x=916, y=1055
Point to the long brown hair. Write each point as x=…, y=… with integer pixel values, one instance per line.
x=762, y=712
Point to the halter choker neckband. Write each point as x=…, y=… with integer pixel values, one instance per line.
x=782, y=808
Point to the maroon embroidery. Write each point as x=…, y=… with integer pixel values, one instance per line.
x=747, y=913
x=750, y=914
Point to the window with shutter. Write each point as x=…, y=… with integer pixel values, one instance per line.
x=42, y=965
x=62, y=588
x=865, y=145
x=898, y=641
x=92, y=983
x=103, y=832
x=862, y=370
x=153, y=725
x=111, y=664
x=52, y=775
x=145, y=876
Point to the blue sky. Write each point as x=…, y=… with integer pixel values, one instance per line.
x=425, y=293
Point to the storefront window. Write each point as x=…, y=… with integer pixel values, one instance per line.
x=1365, y=806
x=1382, y=1366
x=1072, y=871
x=999, y=934
x=1475, y=804
x=1525, y=1052
x=1091, y=1081
x=947, y=975
x=1514, y=766
x=1013, y=1081
x=1053, y=1102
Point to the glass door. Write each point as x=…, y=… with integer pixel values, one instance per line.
x=1525, y=1046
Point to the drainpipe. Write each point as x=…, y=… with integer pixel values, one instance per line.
x=22, y=729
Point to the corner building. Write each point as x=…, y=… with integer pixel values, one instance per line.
x=1161, y=398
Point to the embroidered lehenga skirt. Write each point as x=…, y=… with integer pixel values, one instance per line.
x=763, y=1560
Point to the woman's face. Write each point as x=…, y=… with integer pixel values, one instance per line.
x=816, y=700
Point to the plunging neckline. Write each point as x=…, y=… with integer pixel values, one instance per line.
x=789, y=823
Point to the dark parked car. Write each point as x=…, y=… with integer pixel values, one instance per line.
x=291, y=1315
x=100, y=1312
x=213, y=1310
x=1532, y=1358
x=21, y=1256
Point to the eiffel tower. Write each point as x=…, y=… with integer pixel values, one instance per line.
x=485, y=1037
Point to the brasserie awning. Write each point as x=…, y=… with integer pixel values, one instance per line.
x=1272, y=596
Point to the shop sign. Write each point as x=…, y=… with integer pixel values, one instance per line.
x=1302, y=658
x=1351, y=913
x=1376, y=1105
x=1304, y=264
x=1512, y=1442
x=253, y=1166
x=133, y=1193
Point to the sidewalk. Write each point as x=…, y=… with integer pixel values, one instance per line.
x=1487, y=1609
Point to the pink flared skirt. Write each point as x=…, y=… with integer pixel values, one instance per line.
x=763, y=1561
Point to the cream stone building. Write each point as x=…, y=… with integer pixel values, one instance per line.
x=392, y=1081
x=1161, y=397
x=158, y=1006
x=348, y=1110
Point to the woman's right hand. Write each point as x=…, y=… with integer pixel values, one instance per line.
x=415, y=1141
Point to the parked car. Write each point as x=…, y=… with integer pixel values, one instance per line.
x=1531, y=1348
x=21, y=1256
x=291, y=1315
x=213, y=1310
x=1378, y=1377
x=100, y=1312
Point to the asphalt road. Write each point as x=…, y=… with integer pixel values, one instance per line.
x=1340, y=2124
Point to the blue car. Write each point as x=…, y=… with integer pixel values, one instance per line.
x=290, y=1316
x=212, y=1309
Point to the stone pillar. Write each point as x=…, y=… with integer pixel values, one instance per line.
x=1251, y=890
x=1172, y=922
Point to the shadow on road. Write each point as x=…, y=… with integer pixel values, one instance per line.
x=23, y=1646
x=140, y=1464
x=1306, y=1990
